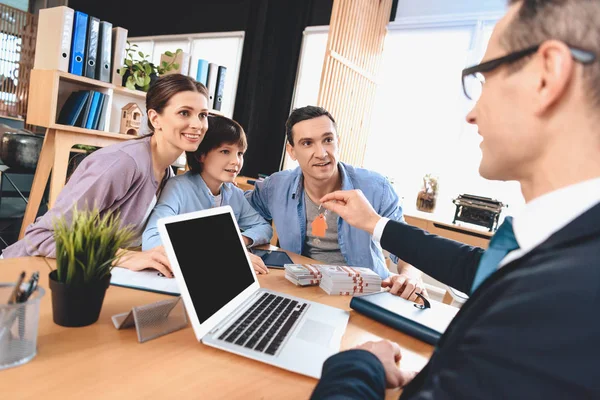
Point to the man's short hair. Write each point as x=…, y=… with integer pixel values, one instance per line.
x=302, y=114
x=574, y=22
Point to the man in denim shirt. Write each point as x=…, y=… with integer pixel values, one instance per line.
x=291, y=199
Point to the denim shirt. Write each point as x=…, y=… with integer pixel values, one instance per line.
x=280, y=198
x=188, y=193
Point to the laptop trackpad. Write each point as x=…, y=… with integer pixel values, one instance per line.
x=316, y=332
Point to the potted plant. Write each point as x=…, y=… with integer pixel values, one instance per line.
x=86, y=249
x=138, y=74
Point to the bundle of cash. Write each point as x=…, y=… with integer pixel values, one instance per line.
x=302, y=274
x=344, y=280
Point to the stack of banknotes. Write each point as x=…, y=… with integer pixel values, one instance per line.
x=302, y=274
x=343, y=280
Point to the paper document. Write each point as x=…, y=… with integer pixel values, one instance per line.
x=144, y=280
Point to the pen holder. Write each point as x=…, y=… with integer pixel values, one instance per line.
x=18, y=327
x=153, y=320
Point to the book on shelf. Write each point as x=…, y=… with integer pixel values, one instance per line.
x=220, y=87
x=85, y=109
x=119, y=44
x=102, y=120
x=211, y=85
x=89, y=123
x=96, y=117
x=78, y=43
x=103, y=69
x=202, y=73
x=53, y=41
x=72, y=108
x=181, y=59
x=91, y=48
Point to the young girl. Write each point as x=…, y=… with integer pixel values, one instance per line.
x=210, y=183
x=127, y=177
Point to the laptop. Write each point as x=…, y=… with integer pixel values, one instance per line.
x=227, y=307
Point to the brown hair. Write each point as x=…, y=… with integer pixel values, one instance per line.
x=302, y=114
x=574, y=22
x=220, y=130
x=167, y=86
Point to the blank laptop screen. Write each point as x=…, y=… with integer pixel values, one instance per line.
x=211, y=257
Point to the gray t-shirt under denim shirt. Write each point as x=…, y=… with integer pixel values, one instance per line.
x=327, y=250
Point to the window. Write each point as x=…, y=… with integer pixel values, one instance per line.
x=418, y=124
x=308, y=77
x=219, y=48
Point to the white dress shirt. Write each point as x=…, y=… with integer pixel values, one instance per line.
x=541, y=217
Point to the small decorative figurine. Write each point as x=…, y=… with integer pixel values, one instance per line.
x=427, y=196
x=131, y=117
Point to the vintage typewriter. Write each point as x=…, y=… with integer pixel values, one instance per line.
x=477, y=210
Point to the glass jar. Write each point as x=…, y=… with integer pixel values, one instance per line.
x=427, y=196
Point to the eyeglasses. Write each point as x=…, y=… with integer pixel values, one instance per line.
x=473, y=79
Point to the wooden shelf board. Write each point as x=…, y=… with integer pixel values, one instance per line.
x=76, y=129
x=82, y=79
x=129, y=92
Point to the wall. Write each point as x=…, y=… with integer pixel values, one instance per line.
x=170, y=18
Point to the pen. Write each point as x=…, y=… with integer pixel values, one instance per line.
x=15, y=293
x=8, y=317
x=31, y=286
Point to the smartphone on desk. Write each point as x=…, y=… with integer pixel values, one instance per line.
x=273, y=258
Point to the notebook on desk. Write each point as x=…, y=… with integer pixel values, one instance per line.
x=227, y=307
x=427, y=324
x=149, y=280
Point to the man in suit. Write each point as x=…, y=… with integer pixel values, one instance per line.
x=291, y=200
x=530, y=328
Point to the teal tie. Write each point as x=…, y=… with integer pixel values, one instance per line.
x=502, y=243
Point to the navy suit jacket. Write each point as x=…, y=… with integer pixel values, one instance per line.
x=530, y=331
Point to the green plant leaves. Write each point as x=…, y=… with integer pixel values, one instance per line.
x=140, y=79
x=168, y=53
x=87, y=246
x=130, y=83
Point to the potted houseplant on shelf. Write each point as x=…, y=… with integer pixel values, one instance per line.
x=138, y=74
x=86, y=249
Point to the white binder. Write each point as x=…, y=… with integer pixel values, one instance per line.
x=53, y=43
x=119, y=44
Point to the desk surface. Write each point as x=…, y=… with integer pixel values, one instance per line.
x=99, y=361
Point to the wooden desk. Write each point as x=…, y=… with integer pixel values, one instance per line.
x=242, y=182
x=100, y=362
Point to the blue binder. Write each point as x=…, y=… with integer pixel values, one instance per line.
x=89, y=123
x=73, y=106
x=202, y=73
x=99, y=111
x=78, y=43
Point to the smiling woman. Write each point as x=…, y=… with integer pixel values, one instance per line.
x=126, y=178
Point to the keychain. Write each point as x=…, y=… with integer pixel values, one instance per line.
x=319, y=226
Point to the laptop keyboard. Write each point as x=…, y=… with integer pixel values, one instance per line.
x=265, y=325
